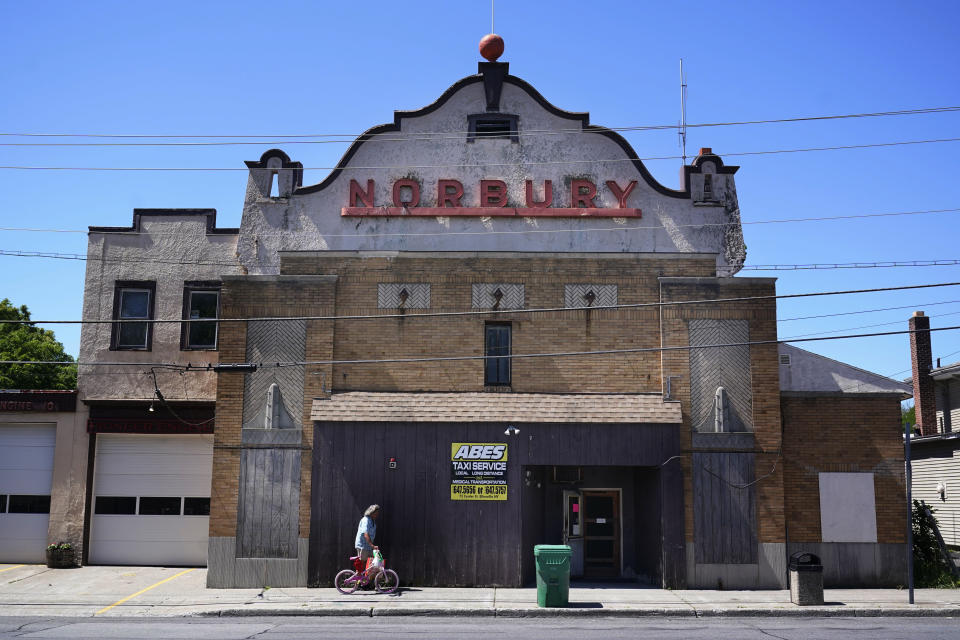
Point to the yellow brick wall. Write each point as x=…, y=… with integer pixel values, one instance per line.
x=834, y=434
x=354, y=292
x=765, y=380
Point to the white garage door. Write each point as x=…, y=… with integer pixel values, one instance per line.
x=151, y=500
x=26, y=475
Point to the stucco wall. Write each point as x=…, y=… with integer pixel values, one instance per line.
x=551, y=146
x=167, y=248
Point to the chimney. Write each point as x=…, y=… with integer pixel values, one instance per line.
x=921, y=359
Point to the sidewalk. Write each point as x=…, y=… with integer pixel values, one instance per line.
x=34, y=590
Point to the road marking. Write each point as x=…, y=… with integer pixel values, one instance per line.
x=121, y=601
x=16, y=566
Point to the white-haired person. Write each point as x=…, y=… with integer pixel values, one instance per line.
x=366, y=532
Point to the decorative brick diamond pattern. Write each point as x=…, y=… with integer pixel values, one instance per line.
x=274, y=341
x=389, y=295
x=727, y=367
x=484, y=295
x=575, y=295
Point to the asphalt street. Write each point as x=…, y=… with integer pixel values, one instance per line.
x=287, y=628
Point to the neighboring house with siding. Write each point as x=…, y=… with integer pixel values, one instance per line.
x=936, y=451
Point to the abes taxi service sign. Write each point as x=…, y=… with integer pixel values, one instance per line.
x=479, y=471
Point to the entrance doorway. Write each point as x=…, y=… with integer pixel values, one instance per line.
x=601, y=533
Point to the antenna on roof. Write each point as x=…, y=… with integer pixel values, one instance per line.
x=492, y=30
x=682, y=132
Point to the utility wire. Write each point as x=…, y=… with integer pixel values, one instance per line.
x=237, y=264
x=497, y=312
x=850, y=313
x=489, y=232
x=514, y=356
x=528, y=163
x=866, y=326
x=350, y=136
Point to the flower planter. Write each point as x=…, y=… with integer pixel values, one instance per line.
x=61, y=558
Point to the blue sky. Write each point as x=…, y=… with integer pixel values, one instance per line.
x=288, y=68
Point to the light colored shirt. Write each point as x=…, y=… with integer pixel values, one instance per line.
x=367, y=525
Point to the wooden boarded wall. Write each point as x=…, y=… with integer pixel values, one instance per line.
x=428, y=538
x=724, y=508
x=269, y=503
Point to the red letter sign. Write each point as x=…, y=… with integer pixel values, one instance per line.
x=621, y=194
x=357, y=193
x=493, y=193
x=547, y=195
x=584, y=200
x=414, y=193
x=444, y=195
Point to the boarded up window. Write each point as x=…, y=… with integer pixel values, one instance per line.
x=847, y=508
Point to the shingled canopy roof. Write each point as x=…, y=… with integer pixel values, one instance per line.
x=362, y=406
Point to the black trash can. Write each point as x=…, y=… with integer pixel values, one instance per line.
x=806, y=579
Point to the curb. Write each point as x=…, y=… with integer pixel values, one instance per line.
x=746, y=612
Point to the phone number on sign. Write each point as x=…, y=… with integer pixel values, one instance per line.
x=478, y=492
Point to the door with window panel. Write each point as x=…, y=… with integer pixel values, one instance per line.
x=151, y=501
x=26, y=477
x=601, y=533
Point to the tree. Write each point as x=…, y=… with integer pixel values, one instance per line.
x=26, y=342
x=908, y=417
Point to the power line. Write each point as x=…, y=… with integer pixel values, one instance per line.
x=866, y=326
x=16, y=253
x=488, y=164
x=766, y=267
x=350, y=136
x=558, y=354
x=851, y=265
x=498, y=312
x=489, y=232
x=850, y=313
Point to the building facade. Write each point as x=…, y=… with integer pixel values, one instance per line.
x=493, y=321
x=936, y=448
x=38, y=505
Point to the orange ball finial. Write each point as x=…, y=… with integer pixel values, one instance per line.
x=491, y=47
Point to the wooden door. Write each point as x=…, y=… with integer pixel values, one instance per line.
x=601, y=534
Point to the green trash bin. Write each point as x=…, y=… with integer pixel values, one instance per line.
x=553, y=574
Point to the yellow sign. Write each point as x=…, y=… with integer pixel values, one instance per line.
x=478, y=471
x=478, y=492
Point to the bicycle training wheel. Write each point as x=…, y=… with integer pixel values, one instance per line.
x=386, y=581
x=346, y=581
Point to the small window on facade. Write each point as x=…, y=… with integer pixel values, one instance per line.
x=152, y=506
x=133, y=302
x=200, y=301
x=196, y=506
x=491, y=125
x=496, y=365
x=29, y=504
x=115, y=506
x=3, y=504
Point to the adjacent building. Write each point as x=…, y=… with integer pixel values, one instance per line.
x=493, y=321
x=935, y=451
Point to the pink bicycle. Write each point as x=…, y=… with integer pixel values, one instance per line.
x=384, y=580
